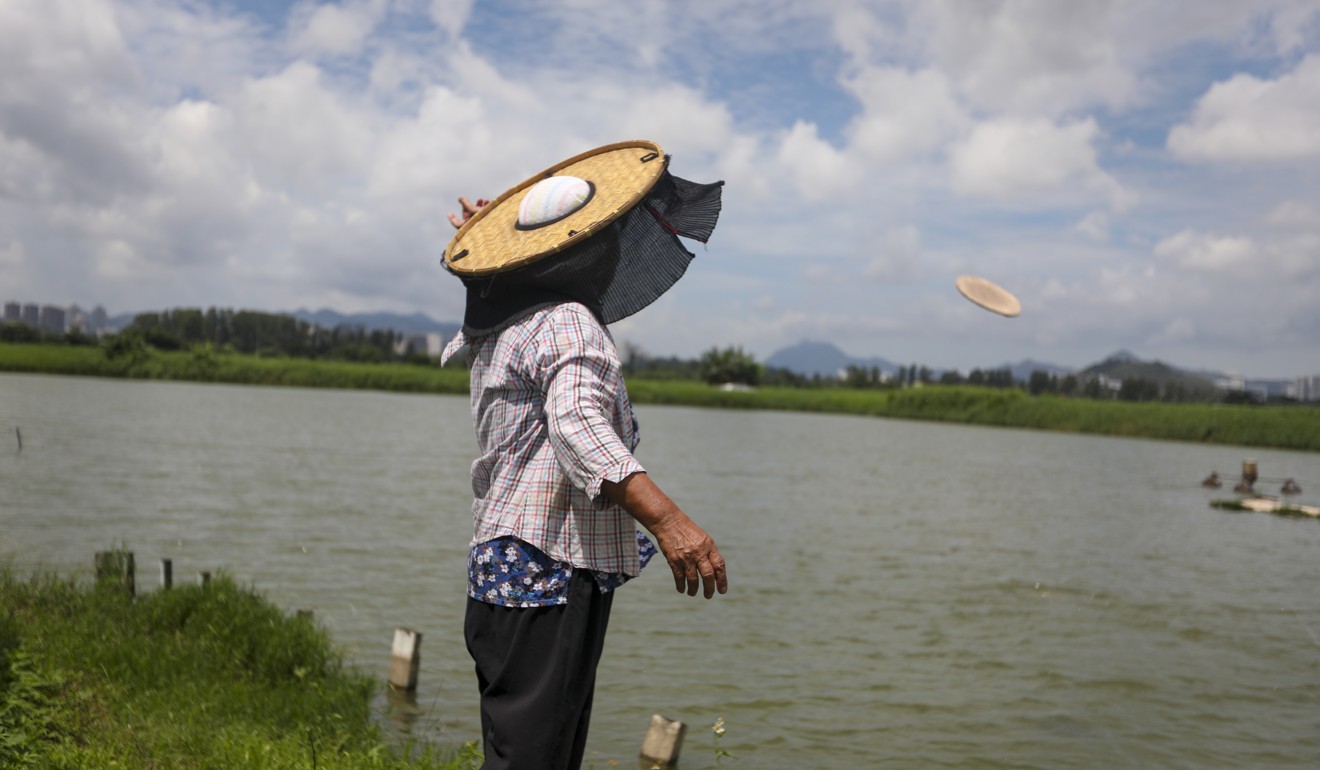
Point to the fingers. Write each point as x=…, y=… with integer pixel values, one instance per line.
x=469, y=208
x=713, y=578
x=705, y=573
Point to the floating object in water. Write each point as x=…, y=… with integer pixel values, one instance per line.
x=1212, y=481
x=988, y=295
x=1267, y=505
x=1290, y=488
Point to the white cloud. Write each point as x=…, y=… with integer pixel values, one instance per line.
x=334, y=29
x=299, y=132
x=1248, y=119
x=451, y=15
x=1178, y=330
x=12, y=257
x=903, y=113
x=818, y=170
x=1095, y=226
x=1012, y=158
x=1193, y=250
x=1031, y=57
x=1295, y=24
x=1296, y=215
x=895, y=254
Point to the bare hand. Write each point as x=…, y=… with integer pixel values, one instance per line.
x=469, y=208
x=692, y=556
x=691, y=553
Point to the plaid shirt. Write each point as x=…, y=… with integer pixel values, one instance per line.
x=553, y=422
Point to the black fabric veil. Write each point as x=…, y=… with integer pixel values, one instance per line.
x=615, y=273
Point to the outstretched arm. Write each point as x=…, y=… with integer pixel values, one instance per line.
x=691, y=553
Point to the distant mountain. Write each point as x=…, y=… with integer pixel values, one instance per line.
x=1124, y=365
x=1022, y=370
x=823, y=358
x=827, y=360
x=1122, y=357
x=416, y=323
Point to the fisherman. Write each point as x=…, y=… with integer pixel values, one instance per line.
x=558, y=492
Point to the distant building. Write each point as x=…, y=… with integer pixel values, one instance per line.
x=1305, y=388
x=52, y=319
x=1231, y=382
x=430, y=344
x=75, y=318
x=1110, y=383
x=13, y=312
x=32, y=315
x=100, y=321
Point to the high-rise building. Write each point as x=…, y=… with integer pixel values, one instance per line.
x=1305, y=388
x=32, y=315
x=52, y=319
x=13, y=312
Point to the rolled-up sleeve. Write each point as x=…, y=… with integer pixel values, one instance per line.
x=580, y=373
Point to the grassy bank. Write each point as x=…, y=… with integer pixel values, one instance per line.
x=1281, y=427
x=204, y=365
x=188, y=678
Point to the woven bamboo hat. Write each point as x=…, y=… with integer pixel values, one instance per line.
x=988, y=295
x=556, y=209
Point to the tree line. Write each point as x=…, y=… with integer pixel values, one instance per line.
x=241, y=331
x=269, y=334
x=734, y=365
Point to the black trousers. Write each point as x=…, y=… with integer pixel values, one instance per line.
x=536, y=668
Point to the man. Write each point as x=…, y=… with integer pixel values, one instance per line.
x=557, y=489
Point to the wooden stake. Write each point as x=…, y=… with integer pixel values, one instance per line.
x=663, y=742
x=203, y=579
x=166, y=574
x=406, y=660
x=116, y=567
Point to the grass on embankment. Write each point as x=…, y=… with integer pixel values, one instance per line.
x=205, y=365
x=1282, y=427
x=193, y=677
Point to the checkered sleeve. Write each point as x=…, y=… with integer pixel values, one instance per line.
x=581, y=375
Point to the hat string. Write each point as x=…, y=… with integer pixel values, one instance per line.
x=673, y=230
x=485, y=289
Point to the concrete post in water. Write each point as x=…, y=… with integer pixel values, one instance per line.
x=1249, y=471
x=407, y=658
x=663, y=742
x=116, y=568
x=166, y=574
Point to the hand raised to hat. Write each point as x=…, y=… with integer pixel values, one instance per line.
x=691, y=553
x=469, y=208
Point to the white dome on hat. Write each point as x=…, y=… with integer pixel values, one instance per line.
x=552, y=199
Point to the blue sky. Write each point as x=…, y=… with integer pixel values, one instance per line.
x=1142, y=175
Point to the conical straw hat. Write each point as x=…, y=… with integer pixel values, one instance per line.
x=988, y=295
x=492, y=241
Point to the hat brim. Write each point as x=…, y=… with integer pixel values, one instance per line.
x=988, y=295
x=490, y=241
